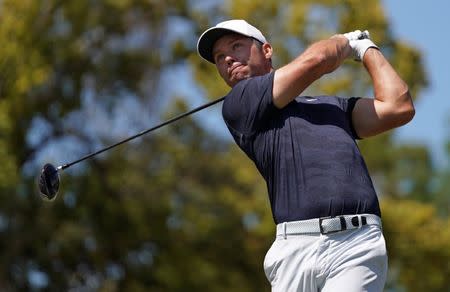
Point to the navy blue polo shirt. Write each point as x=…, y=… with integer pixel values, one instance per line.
x=306, y=151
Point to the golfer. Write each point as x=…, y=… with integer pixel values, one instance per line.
x=328, y=222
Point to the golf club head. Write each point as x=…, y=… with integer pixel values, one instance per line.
x=49, y=182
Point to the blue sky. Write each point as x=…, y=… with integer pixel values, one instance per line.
x=423, y=24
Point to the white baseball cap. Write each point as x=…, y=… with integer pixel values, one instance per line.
x=209, y=37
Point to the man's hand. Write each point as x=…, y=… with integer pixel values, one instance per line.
x=356, y=35
x=359, y=42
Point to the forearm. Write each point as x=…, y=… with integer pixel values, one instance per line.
x=389, y=87
x=392, y=104
x=320, y=58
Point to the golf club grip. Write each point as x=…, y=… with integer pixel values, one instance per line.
x=64, y=166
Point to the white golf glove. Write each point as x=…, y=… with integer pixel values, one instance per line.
x=356, y=35
x=360, y=42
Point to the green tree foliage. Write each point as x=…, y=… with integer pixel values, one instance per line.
x=443, y=187
x=418, y=246
x=183, y=209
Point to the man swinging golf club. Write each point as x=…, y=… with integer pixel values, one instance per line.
x=328, y=233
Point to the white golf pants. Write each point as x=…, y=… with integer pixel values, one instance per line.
x=351, y=261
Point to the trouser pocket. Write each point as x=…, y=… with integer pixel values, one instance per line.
x=272, y=261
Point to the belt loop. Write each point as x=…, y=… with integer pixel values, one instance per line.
x=363, y=220
x=284, y=230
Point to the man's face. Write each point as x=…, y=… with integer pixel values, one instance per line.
x=238, y=57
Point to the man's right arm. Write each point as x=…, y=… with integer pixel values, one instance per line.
x=320, y=58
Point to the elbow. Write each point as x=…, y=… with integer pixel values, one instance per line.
x=407, y=115
x=405, y=110
x=410, y=114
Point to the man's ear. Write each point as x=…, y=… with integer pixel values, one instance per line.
x=267, y=49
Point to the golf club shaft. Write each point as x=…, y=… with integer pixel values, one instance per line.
x=64, y=166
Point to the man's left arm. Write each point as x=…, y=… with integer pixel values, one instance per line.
x=392, y=104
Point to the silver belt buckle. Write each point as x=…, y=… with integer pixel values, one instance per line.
x=341, y=220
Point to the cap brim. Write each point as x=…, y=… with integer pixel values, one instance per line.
x=206, y=42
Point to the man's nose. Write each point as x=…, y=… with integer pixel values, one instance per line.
x=229, y=60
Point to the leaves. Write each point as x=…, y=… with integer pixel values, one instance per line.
x=181, y=209
x=417, y=241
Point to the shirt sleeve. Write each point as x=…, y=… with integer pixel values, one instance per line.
x=350, y=105
x=249, y=104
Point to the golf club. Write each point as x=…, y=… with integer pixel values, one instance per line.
x=49, y=178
